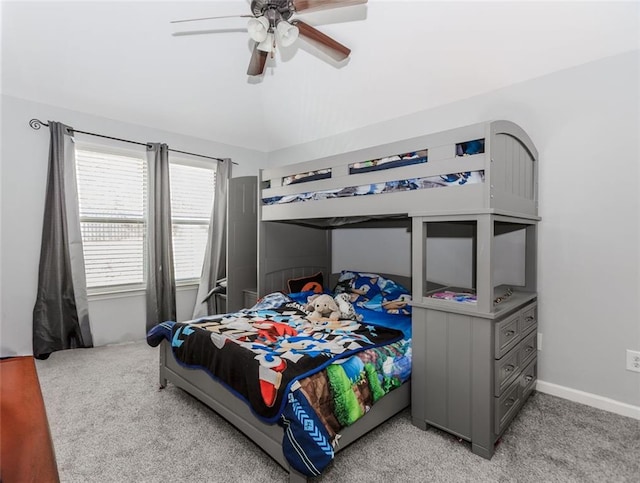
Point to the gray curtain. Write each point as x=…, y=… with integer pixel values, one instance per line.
x=161, y=283
x=61, y=312
x=215, y=256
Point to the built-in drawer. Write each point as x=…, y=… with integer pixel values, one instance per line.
x=528, y=378
x=528, y=349
x=529, y=318
x=507, y=406
x=506, y=370
x=507, y=334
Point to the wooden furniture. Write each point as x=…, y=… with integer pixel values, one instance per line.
x=454, y=346
x=503, y=175
x=26, y=448
x=471, y=375
x=461, y=382
x=474, y=364
x=242, y=226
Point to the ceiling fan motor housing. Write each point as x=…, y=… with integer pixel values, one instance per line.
x=272, y=8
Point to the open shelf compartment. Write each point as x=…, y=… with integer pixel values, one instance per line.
x=481, y=264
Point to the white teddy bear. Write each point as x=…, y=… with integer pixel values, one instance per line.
x=323, y=306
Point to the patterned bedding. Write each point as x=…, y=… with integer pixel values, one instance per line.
x=308, y=176
x=411, y=184
x=397, y=161
x=313, y=377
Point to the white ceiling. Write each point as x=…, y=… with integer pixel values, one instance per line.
x=124, y=61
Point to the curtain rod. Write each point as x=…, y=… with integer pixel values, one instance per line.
x=37, y=124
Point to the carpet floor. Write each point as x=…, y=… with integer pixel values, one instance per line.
x=111, y=423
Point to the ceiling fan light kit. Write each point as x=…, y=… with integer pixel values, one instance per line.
x=287, y=33
x=270, y=25
x=258, y=28
x=268, y=44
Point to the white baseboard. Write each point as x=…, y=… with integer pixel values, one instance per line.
x=589, y=399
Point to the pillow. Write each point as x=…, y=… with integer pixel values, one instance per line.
x=364, y=287
x=312, y=283
x=374, y=292
x=360, y=286
x=394, y=302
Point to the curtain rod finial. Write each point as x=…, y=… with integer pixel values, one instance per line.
x=37, y=124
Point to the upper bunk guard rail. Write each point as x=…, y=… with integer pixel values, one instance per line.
x=508, y=165
x=430, y=142
x=340, y=177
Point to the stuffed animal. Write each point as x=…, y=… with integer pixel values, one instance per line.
x=346, y=308
x=323, y=306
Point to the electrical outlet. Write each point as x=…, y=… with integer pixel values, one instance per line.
x=633, y=360
x=539, y=341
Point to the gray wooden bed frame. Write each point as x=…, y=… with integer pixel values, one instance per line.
x=510, y=186
x=294, y=240
x=269, y=436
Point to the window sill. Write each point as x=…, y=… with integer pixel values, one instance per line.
x=115, y=293
x=186, y=286
x=120, y=292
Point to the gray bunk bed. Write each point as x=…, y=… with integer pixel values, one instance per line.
x=474, y=182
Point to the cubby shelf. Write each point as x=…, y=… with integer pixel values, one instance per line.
x=517, y=299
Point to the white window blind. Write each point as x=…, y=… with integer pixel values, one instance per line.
x=112, y=194
x=192, y=194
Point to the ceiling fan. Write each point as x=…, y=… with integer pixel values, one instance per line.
x=270, y=24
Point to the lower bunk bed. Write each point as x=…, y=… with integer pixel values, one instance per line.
x=290, y=425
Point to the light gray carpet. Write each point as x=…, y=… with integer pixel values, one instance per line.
x=110, y=423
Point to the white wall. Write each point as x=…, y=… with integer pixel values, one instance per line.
x=24, y=174
x=584, y=123
x=348, y=252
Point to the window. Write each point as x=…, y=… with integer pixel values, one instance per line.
x=192, y=193
x=112, y=192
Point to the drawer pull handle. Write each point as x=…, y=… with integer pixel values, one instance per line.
x=509, y=368
x=529, y=348
x=528, y=378
x=509, y=402
x=530, y=318
x=509, y=333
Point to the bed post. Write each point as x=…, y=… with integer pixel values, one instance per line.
x=163, y=359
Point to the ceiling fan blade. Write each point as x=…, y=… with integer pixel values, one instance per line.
x=311, y=5
x=333, y=48
x=257, y=62
x=208, y=18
